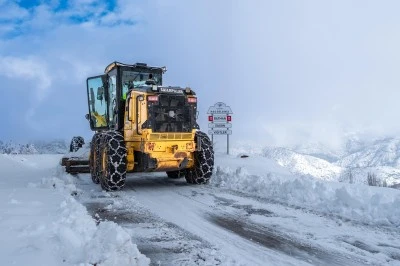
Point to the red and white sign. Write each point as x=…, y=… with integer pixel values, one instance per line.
x=219, y=118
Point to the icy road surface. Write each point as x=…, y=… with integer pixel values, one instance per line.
x=174, y=223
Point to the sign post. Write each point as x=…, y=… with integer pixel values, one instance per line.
x=220, y=121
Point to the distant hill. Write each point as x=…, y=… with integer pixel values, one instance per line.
x=37, y=147
x=352, y=162
x=384, y=152
x=303, y=164
x=358, y=158
x=52, y=147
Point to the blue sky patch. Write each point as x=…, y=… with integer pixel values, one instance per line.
x=62, y=11
x=28, y=3
x=63, y=5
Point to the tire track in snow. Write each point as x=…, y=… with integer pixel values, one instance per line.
x=223, y=218
x=264, y=236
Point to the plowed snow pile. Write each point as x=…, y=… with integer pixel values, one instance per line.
x=263, y=177
x=42, y=224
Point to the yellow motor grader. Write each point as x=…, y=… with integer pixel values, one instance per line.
x=142, y=126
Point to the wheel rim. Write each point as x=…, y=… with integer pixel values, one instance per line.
x=94, y=158
x=104, y=164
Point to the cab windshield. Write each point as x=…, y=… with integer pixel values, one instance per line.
x=138, y=78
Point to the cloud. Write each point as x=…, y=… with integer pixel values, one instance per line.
x=47, y=59
x=31, y=69
x=290, y=72
x=33, y=72
x=126, y=11
x=11, y=11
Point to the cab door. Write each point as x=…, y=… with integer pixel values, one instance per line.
x=98, y=102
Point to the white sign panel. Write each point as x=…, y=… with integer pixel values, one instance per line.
x=219, y=108
x=220, y=125
x=216, y=131
x=219, y=118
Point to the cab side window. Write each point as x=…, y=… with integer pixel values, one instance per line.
x=112, y=94
x=97, y=102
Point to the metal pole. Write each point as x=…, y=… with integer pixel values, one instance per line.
x=212, y=139
x=227, y=144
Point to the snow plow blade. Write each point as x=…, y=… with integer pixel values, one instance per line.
x=75, y=165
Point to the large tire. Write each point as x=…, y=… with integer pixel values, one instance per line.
x=201, y=172
x=176, y=174
x=113, y=161
x=76, y=143
x=95, y=158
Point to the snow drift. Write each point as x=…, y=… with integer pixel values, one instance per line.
x=43, y=224
x=263, y=177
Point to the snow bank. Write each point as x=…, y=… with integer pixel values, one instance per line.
x=42, y=224
x=78, y=240
x=263, y=177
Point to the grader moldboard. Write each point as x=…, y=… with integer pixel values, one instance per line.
x=141, y=126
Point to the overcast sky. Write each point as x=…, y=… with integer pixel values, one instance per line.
x=292, y=71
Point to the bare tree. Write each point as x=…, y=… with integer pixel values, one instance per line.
x=351, y=177
x=346, y=176
x=373, y=180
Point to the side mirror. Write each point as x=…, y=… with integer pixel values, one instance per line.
x=87, y=116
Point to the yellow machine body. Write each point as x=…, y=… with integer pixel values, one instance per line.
x=157, y=123
x=170, y=150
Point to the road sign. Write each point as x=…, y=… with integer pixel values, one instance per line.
x=220, y=125
x=216, y=131
x=219, y=108
x=219, y=118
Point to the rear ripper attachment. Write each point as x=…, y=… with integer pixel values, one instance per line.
x=75, y=165
x=75, y=162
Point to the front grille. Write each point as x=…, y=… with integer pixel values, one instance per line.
x=171, y=114
x=163, y=136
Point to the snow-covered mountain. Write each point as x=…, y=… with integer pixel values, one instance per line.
x=52, y=147
x=385, y=152
x=383, y=174
x=353, y=162
x=37, y=147
x=319, y=150
x=303, y=164
x=14, y=148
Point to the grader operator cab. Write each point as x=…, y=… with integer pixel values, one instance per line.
x=142, y=126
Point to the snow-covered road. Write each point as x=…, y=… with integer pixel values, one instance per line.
x=252, y=213
x=178, y=224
